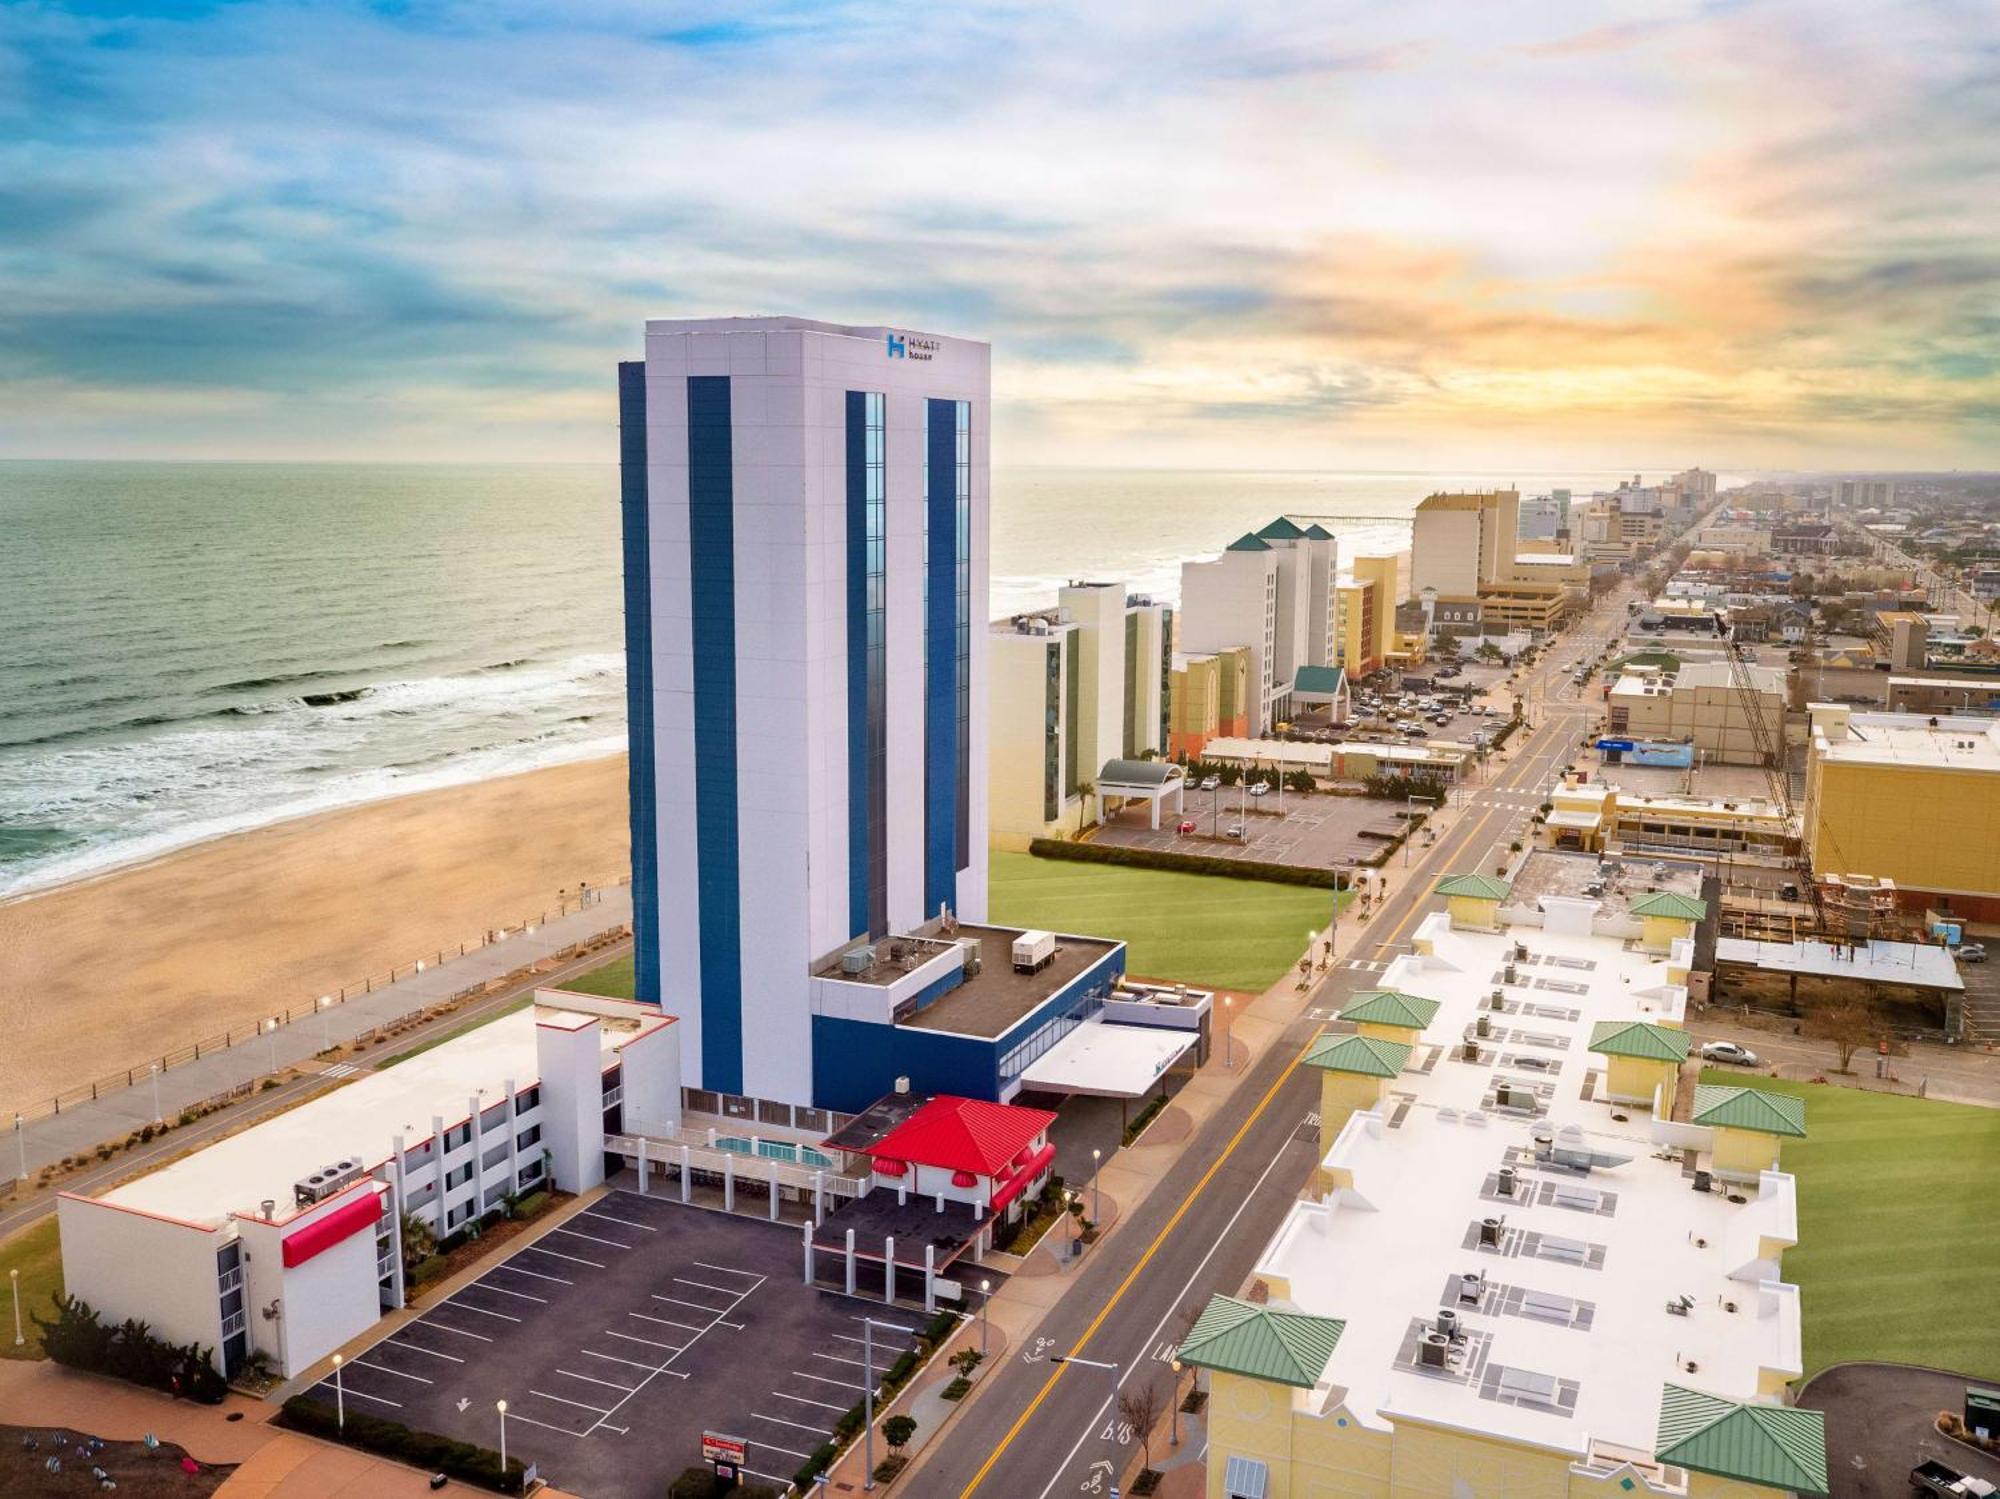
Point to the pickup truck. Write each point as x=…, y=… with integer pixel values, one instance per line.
x=1933, y=1477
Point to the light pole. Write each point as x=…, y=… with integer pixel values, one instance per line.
x=339, y=1397
x=1096, y=1200
x=271, y=1037
x=985, y=1312
x=501, y=1406
x=14, y=1282
x=21, y=1146
x=154, y=1068
x=325, y=1020
x=1091, y=1363
x=868, y=1400
x=1228, y=1037
x=1174, y=1404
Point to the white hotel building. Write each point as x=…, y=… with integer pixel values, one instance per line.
x=283, y=1240
x=806, y=592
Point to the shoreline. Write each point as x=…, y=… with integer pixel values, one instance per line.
x=98, y=972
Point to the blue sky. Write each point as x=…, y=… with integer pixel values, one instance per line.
x=1338, y=235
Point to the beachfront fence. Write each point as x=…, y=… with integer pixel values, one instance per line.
x=193, y=1051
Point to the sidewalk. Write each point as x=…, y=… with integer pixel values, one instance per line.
x=81, y=1127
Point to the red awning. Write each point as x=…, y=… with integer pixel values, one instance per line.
x=964, y=1179
x=322, y=1234
x=886, y=1167
x=1018, y=1183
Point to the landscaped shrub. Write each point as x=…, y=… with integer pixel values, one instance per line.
x=956, y=1390
x=1159, y=858
x=420, y=1449
x=818, y=1463
x=940, y=1327
x=78, y=1337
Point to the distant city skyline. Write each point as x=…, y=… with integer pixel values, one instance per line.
x=1427, y=237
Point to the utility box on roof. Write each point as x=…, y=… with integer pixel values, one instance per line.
x=1034, y=951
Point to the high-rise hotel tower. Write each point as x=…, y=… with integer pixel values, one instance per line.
x=805, y=516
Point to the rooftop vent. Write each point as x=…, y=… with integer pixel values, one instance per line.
x=860, y=960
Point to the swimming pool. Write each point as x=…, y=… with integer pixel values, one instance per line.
x=775, y=1150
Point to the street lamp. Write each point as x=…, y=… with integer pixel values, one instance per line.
x=501, y=1406
x=1096, y=1200
x=1228, y=1037
x=14, y=1281
x=154, y=1068
x=339, y=1397
x=21, y=1146
x=985, y=1312
x=868, y=1325
x=1174, y=1404
x=271, y=1036
x=325, y=1020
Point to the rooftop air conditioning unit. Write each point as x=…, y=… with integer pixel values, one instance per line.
x=1508, y=1176
x=859, y=960
x=1434, y=1352
x=1447, y=1322
x=1489, y=1230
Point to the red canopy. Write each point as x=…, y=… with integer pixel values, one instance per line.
x=889, y=1167
x=1018, y=1182
x=964, y=1134
x=964, y=1179
x=322, y=1234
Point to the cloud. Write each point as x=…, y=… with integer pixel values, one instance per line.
x=1761, y=230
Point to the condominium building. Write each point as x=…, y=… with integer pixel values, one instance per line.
x=1701, y=704
x=1860, y=494
x=1466, y=563
x=1209, y=698
x=1909, y=798
x=284, y=1239
x=1698, y=485
x=1366, y=594
x=1073, y=689
x=1272, y=593
x=805, y=510
x=1516, y=1271
x=1544, y=517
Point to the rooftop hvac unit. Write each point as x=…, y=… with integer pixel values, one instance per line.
x=1508, y=1176
x=1497, y=1001
x=1471, y=1286
x=326, y=1181
x=1481, y=1026
x=973, y=958
x=1489, y=1230
x=859, y=960
x=1447, y=1322
x=1510, y=975
x=1434, y=1352
x=1471, y=1050
x=1520, y=952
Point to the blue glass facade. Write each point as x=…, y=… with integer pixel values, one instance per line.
x=712, y=603
x=637, y=528
x=867, y=685
x=947, y=648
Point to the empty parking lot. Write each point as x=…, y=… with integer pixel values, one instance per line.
x=619, y=1336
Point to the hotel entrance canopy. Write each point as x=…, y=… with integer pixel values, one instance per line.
x=1108, y=1061
x=1148, y=781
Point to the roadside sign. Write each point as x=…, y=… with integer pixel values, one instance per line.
x=720, y=1449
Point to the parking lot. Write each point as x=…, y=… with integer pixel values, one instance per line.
x=1319, y=830
x=621, y=1335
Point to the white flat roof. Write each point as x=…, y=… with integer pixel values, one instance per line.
x=1577, y=1292
x=1108, y=1061
x=361, y=1118
x=1919, y=963
x=1909, y=739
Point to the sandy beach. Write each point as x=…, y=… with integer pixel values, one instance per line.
x=104, y=973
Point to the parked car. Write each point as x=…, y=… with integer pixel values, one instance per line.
x=1234, y=830
x=1728, y=1051
x=1414, y=730
x=1209, y=783
x=1259, y=788
x=1934, y=1477
x=1187, y=826
x=1972, y=952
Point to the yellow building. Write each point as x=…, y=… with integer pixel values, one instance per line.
x=1701, y=704
x=1473, y=900
x=1208, y=698
x=1500, y=1284
x=1591, y=817
x=1911, y=799
x=1366, y=596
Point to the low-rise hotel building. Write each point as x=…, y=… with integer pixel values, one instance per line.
x=1517, y=1272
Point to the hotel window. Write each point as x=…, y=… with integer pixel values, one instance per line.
x=458, y=1176
x=457, y=1135
x=529, y=1136
x=1130, y=741
x=1052, y=735
x=867, y=662
x=962, y=509
x=527, y=1100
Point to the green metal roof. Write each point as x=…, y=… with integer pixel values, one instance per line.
x=1261, y=1342
x=1358, y=1054
x=1317, y=532
x=1777, y=1446
x=1390, y=1007
x=1137, y=773
x=1639, y=1038
x=1249, y=541
x=1666, y=903
x=1474, y=886
x=1750, y=1108
x=1317, y=679
x=1282, y=530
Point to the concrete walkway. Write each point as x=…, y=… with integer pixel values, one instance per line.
x=81, y=1127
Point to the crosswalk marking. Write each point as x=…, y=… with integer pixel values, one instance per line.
x=340, y=1069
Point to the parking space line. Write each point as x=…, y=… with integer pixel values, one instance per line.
x=613, y=1217
x=565, y=1400
x=682, y=1280
x=664, y=1321
x=893, y=1326
x=670, y=1347
x=612, y=1358
x=385, y=1369
x=576, y=1233
x=822, y=1379
x=837, y=1358
x=466, y=1306
x=348, y=1389
x=419, y=1348
x=774, y=1447
x=732, y=1270
x=503, y=1291
x=818, y=1431
x=573, y=1259
x=716, y=1312
x=513, y=1415
x=623, y=1389
x=447, y=1327
x=802, y=1400
x=536, y=1274
x=768, y=1478
x=678, y=1301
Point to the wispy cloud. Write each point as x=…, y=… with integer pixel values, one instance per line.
x=1739, y=232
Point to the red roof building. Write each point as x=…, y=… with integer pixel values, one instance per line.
x=968, y=1149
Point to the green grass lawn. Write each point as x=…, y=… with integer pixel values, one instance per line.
x=1191, y=928
x=36, y=1253
x=1899, y=1227
x=614, y=980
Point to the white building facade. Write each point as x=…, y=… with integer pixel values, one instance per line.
x=1275, y=593
x=806, y=588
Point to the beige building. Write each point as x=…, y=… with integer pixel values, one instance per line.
x=1272, y=592
x=1208, y=698
x=1465, y=551
x=1701, y=705
x=1071, y=689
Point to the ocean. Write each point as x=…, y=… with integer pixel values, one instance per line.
x=193, y=649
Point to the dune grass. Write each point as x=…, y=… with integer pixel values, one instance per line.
x=1899, y=1227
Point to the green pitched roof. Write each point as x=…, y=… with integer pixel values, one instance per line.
x=1750, y=1108
x=1389, y=1007
x=1317, y=532
x=1639, y=1038
x=1281, y=530
x=1261, y=1342
x=1475, y=886
x=1686, y=907
x=1777, y=1446
x=1359, y=1054
x=1317, y=679
x=1249, y=542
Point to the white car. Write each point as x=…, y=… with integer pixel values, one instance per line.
x=1260, y=789
x=1209, y=783
x=1972, y=952
x=1728, y=1051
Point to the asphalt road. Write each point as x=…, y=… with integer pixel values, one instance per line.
x=1041, y=1428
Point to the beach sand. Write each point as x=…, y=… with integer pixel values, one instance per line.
x=102, y=974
